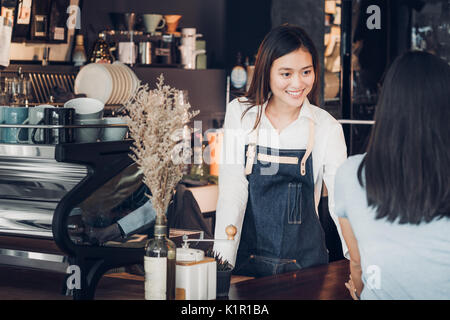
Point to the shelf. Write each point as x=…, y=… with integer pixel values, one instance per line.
x=138, y=36
x=160, y=65
x=38, y=41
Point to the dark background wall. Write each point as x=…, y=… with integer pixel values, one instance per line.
x=308, y=14
x=228, y=26
x=247, y=22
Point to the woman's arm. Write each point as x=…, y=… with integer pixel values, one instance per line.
x=233, y=184
x=335, y=155
x=355, y=260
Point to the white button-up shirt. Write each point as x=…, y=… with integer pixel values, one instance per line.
x=328, y=154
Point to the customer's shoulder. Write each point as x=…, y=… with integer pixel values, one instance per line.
x=351, y=164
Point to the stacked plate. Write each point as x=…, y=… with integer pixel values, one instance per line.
x=110, y=83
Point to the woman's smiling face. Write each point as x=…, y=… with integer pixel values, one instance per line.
x=292, y=78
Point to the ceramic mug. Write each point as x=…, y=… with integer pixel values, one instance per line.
x=86, y=108
x=56, y=116
x=35, y=116
x=127, y=52
x=14, y=115
x=2, y=119
x=153, y=22
x=113, y=133
x=87, y=135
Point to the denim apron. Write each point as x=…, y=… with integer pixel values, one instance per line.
x=281, y=230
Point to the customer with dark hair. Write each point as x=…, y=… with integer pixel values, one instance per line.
x=394, y=200
x=278, y=150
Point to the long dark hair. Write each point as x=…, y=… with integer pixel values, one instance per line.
x=278, y=42
x=407, y=165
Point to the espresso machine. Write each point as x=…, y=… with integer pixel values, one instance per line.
x=45, y=191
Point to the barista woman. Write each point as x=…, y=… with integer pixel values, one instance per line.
x=278, y=149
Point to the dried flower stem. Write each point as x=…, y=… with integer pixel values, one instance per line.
x=155, y=120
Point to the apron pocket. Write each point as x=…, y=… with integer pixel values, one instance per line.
x=294, y=204
x=287, y=265
x=265, y=266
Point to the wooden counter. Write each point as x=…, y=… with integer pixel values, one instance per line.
x=318, y=283
x=323, y=283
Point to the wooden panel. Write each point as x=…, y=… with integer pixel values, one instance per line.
x=29, y=244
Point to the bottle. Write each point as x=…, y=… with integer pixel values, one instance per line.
x=238, y=74
x=250, y=68
x=160, y=263
x=79, y=54
x=101, y=52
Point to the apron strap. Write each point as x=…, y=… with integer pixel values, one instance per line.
x=251, y=150
x=308, y=149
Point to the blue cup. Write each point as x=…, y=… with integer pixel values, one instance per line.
x=2, y=120
x=14, y=115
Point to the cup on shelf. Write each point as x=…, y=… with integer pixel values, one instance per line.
x=87, y=135
x=172, y=21
x=127, y=52
x=35, y=116
x=153, y=22
x=86, y=108
x=14, y=115
x=189, y=36
x=113, y=133
x=2, y=120
x=55, y=116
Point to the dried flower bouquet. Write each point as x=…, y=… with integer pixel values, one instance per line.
x=156, y=119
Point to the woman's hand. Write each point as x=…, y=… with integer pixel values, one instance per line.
x=351, y=288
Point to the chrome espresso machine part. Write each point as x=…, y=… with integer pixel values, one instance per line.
x=45, y=188
x=32, y=183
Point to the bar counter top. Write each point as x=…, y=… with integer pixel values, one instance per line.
x=318, y=283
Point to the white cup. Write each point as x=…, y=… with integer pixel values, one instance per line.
x=127, y=52
x=35, y=116
x=153, y=22
x=87, y=135
x=86, y=108
x=113, y=133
